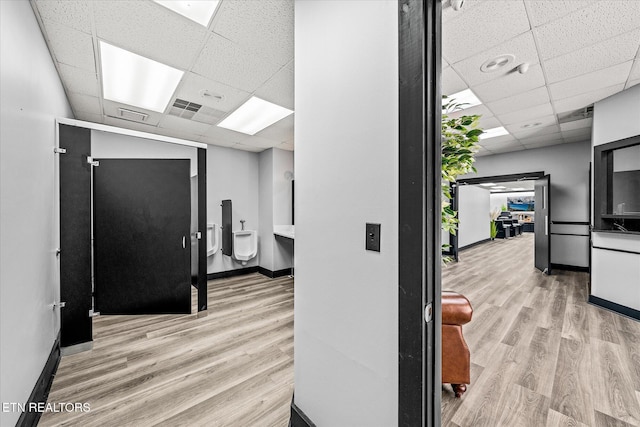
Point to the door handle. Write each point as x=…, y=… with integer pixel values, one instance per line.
x=184, y=242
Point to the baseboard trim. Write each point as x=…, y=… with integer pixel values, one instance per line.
x=78, y=348
x=43, y=386
x=274, y=274
x=569, y=267
x=299, y=418
x=479, y=242
x=231, y=273
x=617, y=308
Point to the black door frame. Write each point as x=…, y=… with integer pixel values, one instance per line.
x=419, y=240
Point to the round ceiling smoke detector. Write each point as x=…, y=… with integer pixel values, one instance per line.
x=210, y=95
x=494, y=64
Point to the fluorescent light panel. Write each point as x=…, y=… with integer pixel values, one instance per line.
x=254, y=115
x=493, y=132
x=488, y=184
x=135, y=80
x=466, y=97
x=199, y=11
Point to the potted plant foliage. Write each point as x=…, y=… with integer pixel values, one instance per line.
x=459, y=145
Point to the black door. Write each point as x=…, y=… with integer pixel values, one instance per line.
x=142, y=211
x=542, y=232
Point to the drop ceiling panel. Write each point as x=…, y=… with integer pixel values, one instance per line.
x=220, y=136
x=522, y=133
x=451, y=82
x=592, y=58
x=583, y=100
x=216, y=141
x=71, y=47
x=85, y=103
x=596, y=80
x=259, y=142
x=522, y=47
x=545, y=121
x=278, y=89
x=558, y=137
x=241, y=68
x=192, y=85
x=485, y=25
x=503, y=139
x=635, y=70
x=576, y=124
x=264, y=26
x=543, y=11
x=480, y=110
x=74, y=14
x=587, y=26
x=528, y=114
x=80, y=81
x=488, y=122
x=280, y=131
x=521, y=101
x=183, y=125
x=510, y=85
x=88, y=117
x=150, y=30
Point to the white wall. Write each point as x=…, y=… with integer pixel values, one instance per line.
x=568, y=166
x=275, y=208
x=232, y=174
x=616, y=275
x=473, y=212
x=32, y=96
x=346, y=132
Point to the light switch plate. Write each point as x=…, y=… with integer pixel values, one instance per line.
x=372, y=237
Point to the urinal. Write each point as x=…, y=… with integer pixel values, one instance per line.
x=245, y=245
x=213, y=238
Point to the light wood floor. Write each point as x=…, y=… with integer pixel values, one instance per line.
x=233, y=367
x=540, y=354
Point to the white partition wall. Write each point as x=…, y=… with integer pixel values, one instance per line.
x=473, y=212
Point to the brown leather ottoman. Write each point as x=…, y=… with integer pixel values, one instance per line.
x=456, y=360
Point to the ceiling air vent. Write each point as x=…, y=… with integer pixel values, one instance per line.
x=135, y=116
x=184, y=109
x=572, y=116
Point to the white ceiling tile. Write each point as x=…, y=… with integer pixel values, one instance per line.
x=193, y=84
x=218, y=136
x=577, y=124
x=451, y=82
x=488, y=123
x=529, y=114
x=87, y=117
x=85, y=103
x=541, y=138
x=150, y=30
x=497, y=141
x=635, y=70
x=510, y=85
x=80, y=81
x=543, y=11
x=126, y=124
x=111, y=109
x=545, y=121
x=587, y=26
x=280, y=131
x=592, y=58
x=242, y=68
x=583, y=100
x=485, y=25
x=259, y=142
x=546, y=143
x=522, y=133
x=522, y=47
x=183, y=125
x=478, y=110
x=215, y=141
x=278, y=89
x=631, y=83
x=596, y=80
x=71, y=47
x=449, y=14
x=264, y=26
x=521, y=101
x=74, y=14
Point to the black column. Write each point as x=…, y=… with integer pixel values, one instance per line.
x=202, y=228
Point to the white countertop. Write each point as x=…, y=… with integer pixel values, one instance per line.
x=287, y=231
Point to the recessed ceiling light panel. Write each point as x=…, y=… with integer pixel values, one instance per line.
x=488, y=184
x=199, y=11
x=497, y=63
x=493, y=132
x=254, y=115
x=465, y=98
x=135, y=80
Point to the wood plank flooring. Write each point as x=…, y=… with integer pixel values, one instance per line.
x=233, y=367
x=540, y=354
